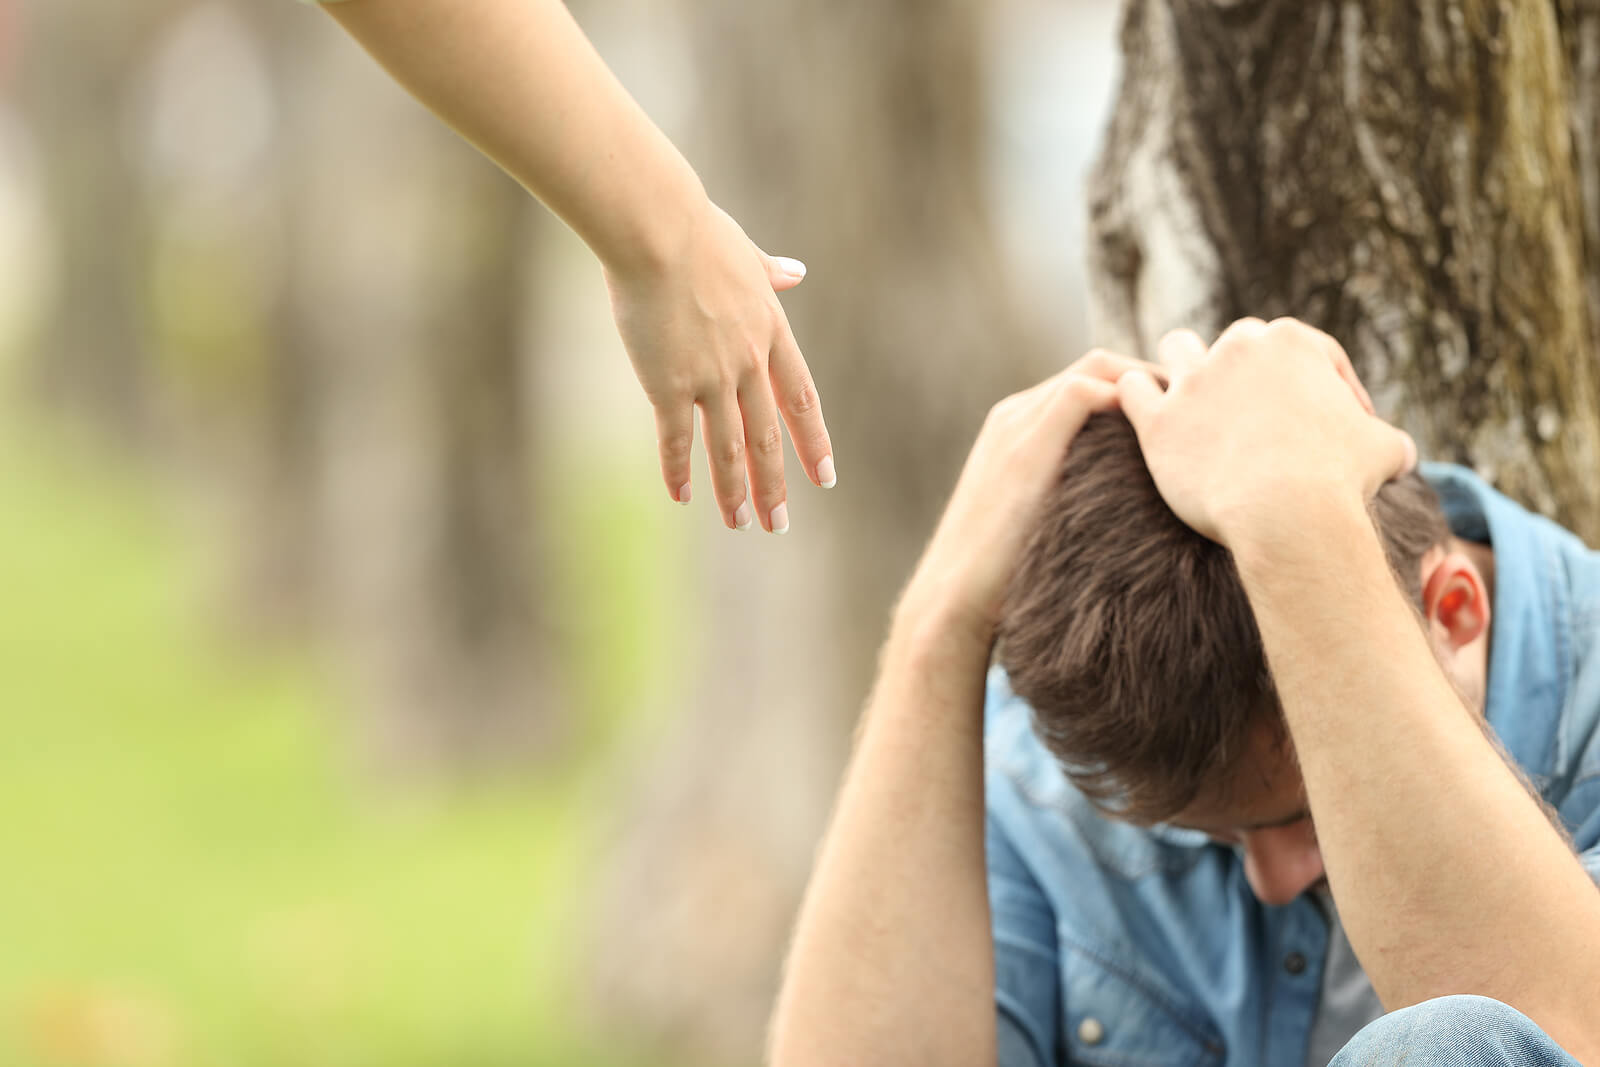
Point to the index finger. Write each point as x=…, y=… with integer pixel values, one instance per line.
x=796, y=393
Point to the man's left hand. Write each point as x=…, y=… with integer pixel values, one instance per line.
x=1269, y=422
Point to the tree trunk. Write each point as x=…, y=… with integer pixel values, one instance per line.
x=1417, y=178
x=874, y=174
x=92, y=358
x=403, y=402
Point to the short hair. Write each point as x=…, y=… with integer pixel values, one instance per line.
x=1131, y=636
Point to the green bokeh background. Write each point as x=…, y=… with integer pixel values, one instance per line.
x=191, y=874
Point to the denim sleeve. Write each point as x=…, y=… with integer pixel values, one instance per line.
x=1026, y=973
x=1591, y=864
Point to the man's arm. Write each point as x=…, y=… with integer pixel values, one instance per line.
x=893, y=960
x=1449, y=878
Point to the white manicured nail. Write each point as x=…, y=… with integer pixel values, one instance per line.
x=792, y=267
x=745, y=517
x=825, y=476
x=780, y=519
x=684, y=493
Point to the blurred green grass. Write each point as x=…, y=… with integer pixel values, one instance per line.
x=188, y=872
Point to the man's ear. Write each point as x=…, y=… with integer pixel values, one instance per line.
x=1454, y=600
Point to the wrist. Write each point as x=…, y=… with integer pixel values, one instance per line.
x=1325, y=533
x=933, y=619
x=654, y=238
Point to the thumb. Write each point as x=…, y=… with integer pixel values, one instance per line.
x=1140, y=395
x=784, y=273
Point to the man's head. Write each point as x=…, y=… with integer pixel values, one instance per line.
x=1131, y=637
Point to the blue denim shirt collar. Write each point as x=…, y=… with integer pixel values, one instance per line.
x=1530, y=656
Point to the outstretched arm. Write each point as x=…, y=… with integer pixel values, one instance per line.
x=893, y=961
x=693, y=297
x=1449, y=877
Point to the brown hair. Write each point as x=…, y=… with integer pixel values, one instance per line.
x=1131, y=637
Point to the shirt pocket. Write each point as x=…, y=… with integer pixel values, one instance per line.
x=1113, y=1015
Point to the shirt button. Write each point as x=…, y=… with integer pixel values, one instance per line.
x=1090, y=1032
x=1294, y=963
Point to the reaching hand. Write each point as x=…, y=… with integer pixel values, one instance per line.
x=1270, y=420
x=708, y=332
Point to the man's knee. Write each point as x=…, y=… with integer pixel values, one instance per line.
x=1457, y=1031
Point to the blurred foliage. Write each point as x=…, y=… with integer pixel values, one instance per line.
x=456, y=739
x=193, y=876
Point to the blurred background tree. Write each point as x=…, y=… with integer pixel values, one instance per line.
x=368, y=703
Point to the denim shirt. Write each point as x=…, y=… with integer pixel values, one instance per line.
x=1117, y=946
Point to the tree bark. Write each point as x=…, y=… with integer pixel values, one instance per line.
x=1416, y=178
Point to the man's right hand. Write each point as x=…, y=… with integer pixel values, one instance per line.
x=964, y=573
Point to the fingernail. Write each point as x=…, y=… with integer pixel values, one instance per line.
x=780, y=519
x=745, y=517
x=683, y=493
x=792, y=267
x=825, y=475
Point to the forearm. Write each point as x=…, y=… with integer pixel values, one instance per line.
x=892, y=961
x=1449, y=878
x=519, y=80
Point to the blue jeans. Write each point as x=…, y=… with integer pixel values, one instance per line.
x=1459, y=1031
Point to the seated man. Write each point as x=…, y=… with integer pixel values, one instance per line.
x=1169, y=821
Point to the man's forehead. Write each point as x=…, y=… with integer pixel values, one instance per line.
x=1264, y=791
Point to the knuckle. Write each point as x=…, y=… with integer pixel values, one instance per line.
x=729, y=453
x=1097, y=360
x=768, y=442
x=675, y=448
x=1239, y=333
x=752, y=355
x=1001, y=411
x=803, y=400
x=672, y=393
x=1285, y=328
x=1085, y=390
